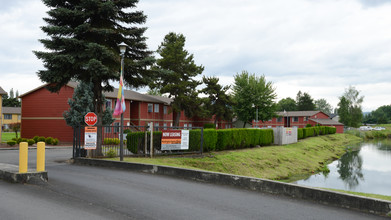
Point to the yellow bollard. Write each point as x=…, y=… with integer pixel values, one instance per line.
x=40, y=156
x=23, y=157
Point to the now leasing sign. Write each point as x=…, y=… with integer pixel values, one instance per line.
x=175, y=139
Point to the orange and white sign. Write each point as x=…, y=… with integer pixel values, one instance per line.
x=90, y=138
x=175, y=139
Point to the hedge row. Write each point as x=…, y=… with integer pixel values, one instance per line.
x=224, y=139
x=36, y=139
x=314, y=131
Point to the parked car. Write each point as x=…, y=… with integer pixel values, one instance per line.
x=379, y=129
x=366, y=128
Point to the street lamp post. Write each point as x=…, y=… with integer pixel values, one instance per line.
x=122, y=49
x=256, y=115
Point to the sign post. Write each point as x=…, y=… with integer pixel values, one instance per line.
x=90, y=134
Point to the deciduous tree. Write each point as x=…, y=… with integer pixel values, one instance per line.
x=323, y=105
x=304, y=102
x=350, y=112
x=250, y=93
x=287, y=104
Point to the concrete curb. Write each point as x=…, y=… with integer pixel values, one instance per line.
x=10, y=173
x=364, y=204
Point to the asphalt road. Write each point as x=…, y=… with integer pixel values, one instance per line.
x=82, y=192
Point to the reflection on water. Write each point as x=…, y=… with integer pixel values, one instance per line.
x=367, y=169
x=349, y=168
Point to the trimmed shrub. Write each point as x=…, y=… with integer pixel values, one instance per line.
x=41, y=138
x=266, y=137
x=49, y=140
x=300, y=134
x=111, y=141
x=30, y=142
x=11, y=143
x=210, y=140
x=195, y=140
x=224, y=139
x=135, y=142
x=35, y=138
x=55, y=141
x=209, y=125
x=127, y=131
x=308, y=125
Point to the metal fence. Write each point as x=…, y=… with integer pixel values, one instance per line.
x=137, y=142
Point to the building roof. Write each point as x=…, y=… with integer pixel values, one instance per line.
x=298, y=113
x=2, y=92
x=325, y=121
x=129, y=94
x=11, y=110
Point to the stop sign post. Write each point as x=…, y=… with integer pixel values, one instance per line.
x=90, y=119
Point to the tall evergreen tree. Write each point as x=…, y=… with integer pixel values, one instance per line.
x=176, y=76
x=252, y=93
x=218, y=103
x=82, y=103
x=83, y=45
x=304, y=102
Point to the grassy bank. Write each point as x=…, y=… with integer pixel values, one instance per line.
x=274, y=162
x=6, y=136
x=373, y=134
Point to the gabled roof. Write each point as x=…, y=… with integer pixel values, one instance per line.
x=129, y=94
x=11, y=110
x=298, y=113
x=325, y=121
x=2, y=92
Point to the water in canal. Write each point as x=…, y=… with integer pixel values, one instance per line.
x=366, y=169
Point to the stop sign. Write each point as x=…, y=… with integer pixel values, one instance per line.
x=90, y=118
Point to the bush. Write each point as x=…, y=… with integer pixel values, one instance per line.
x=135, y=142
x=127, y=131
x=41, y=139
x=11, y=143
x=55, y=141
x=224, y=139
x=111, y=141
x=210, y=140
x=30, y=142
x=111, y=153
x=49, y=140
x=35, y=138
x=300, y=134
x=195, y=140
x=209, y=125
x=266, y=137
x=308, y=126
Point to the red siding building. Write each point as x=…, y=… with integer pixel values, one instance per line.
x=300, y=119
x=42, y=112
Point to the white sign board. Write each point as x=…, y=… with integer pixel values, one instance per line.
x=175, y=140
x=90, y=138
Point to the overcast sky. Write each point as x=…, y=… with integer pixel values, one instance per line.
x=319, y=47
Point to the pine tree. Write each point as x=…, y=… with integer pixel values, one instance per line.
x=304, y=102
x=218, y=102
x=176, y=71
x=82, y=103
x=83, y=45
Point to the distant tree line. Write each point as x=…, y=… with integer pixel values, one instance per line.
x=381, y=115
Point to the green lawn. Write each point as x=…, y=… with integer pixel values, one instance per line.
x=6, y=136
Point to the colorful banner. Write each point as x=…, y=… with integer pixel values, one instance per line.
x=175, y=139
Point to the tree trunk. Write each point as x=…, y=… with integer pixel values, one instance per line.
x=177, y=117
x=98, y=104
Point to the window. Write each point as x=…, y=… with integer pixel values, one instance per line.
x=150, y=106
x=165, y=125
x=116, y=128
x=107, y=129
x=7, y=116
x=165, y=109
x=108, y=104
x=157, y=108
x=185, y=125
x=156, y=126
x=305, y=118
x=18, y=117
x=279, y=119
x=190, y=126
x=295, y=119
